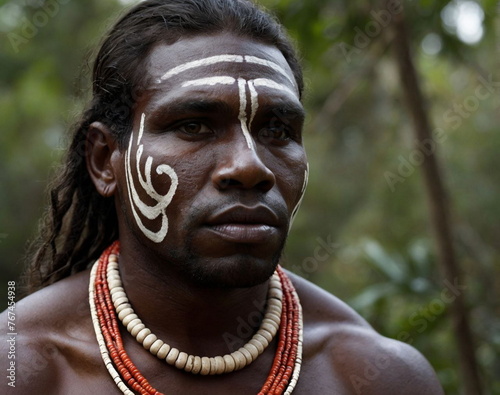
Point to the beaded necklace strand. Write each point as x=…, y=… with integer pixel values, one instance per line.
x=108, y=300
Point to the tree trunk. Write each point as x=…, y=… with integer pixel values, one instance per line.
x=438, y=207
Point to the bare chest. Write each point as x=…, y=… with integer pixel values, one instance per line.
x=316, y=377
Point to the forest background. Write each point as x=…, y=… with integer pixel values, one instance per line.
x=367, y=227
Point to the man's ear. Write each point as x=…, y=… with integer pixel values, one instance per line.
x=100, y=148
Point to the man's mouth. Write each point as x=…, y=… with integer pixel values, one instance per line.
x=242, y=224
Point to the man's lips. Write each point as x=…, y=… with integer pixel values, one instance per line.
x=241, y=224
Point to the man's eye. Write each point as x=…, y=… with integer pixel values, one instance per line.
x=275, y=131
x=194, y=128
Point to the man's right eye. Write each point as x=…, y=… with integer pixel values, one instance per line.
x=194, y=128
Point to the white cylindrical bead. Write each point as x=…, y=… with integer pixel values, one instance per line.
x=254, y=352
x=230, y=363
x=129, y=318
x=163, y=351
x=205, y=366
x=115, y=290
x=261, y=339
x=121, y=300
x=155, y=347
x=196, y=365
x=124, y=312
x=137, y=328
x=269, y=328
x=271, y=322
x=142, y=334
x=172, y=356
x=266, y=334
x=189, y=364
x=220, y=365
x=133, y=323
x=247, y=355
x=181, y=361
x=149, y=340
x=257, y=344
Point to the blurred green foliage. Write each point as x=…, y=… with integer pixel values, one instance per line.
x=358, y=235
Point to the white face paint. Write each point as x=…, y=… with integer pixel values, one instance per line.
x=159, y=209
x=210, y=81
x=272, y=65
x=201, y=63
x=254, y=102
x=242, y=86
x=150, y=212
x=245, y=120
x=302, y=193
x=225, y=59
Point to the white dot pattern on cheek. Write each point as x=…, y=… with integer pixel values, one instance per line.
x=150, y=212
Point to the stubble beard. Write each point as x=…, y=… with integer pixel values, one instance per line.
x=241, y=271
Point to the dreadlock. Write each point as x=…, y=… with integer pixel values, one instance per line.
x=79, y=222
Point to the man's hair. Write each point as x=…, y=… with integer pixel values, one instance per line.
x=79, y=222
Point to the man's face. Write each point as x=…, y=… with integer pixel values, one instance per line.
x=215, y=165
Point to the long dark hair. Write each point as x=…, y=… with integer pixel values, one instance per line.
x=79, y=222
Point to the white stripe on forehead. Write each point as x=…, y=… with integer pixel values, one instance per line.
x=242, y=84
x=201, y=63
x=272, y=84
x=272, y=65
x=226, y=59
x=210, y=81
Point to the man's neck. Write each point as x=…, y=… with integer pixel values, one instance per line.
x=195, y=319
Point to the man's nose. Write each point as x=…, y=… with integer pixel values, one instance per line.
x=240, y=166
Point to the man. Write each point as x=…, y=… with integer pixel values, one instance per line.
x=191, y=156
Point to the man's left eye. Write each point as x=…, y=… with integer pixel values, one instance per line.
x=275, y=131
x=194, y=128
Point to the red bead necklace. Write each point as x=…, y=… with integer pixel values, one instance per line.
x=284, y=372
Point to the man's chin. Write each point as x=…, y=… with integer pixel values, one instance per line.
x=233, y=272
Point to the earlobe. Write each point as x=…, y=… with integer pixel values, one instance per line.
x=99, y=150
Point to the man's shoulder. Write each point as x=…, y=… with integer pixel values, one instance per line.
x=50, y=309
x=52, y=331
x=323, y=308
x=364, y=361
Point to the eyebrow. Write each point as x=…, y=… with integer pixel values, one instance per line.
x=184, y=106
x=287, y=110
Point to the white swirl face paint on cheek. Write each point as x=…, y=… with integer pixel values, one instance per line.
x=136, y=204
x=302, y=193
